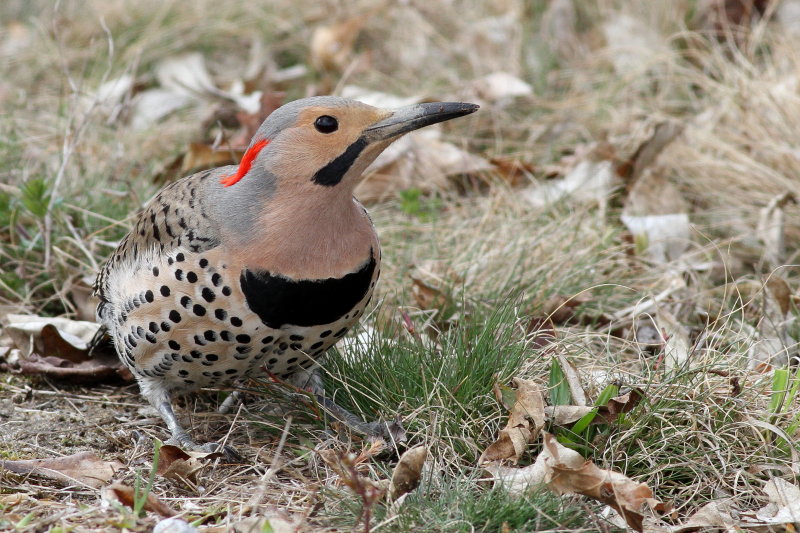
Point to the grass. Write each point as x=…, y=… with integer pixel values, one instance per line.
x=467, y=267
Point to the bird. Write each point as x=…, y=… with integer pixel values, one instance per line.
x=262, y=266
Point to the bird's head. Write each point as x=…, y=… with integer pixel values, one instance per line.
x=324, y=143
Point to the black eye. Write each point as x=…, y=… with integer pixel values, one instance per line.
x=326, y=124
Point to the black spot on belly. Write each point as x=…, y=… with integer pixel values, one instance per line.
x=280, y=301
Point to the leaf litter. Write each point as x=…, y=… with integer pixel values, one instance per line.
x=658, y=209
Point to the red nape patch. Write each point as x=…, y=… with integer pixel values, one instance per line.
x=245, y=163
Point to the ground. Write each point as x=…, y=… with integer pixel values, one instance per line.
x=600, y=264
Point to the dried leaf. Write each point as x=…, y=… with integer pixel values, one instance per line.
x=176, y=525
x=186, y=75
x=525, y=421
x=784, y=503
x=713, y=515
x=647, y=153
x=201, y=156
x=408, y=472
x=178, y=465
x=562, y=415
x=59, y=347
x=774, y=340
x=541, y=333
x=250, y=122
x=514, y=171
x=588, y=181
x=573, y=379
x=332, y=45
x=501, y=87
x=83, y=468
x=80, y=291
x=657, y=216
x=273, y=524
x=518, y=480
x=108, y=96
x=623, y=494
x=633, y=45
x=150, y=106
x=624, y=403
x=677, y=345
x=772, y=227
x=418, y=160
x=564, y=471
x=127, y=496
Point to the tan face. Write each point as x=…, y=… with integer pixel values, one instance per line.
x=320, y=135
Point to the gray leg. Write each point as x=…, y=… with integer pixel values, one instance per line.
x=178, y=435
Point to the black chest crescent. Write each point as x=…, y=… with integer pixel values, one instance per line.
x=280, y=301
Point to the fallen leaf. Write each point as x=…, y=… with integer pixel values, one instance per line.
x=80, y=292
x=514, y=171
x=633, y=46
x=713, y=515
x=588, y=181
x=772, y=227
x=647, y=153
x=677, y=346
x=408, y=472
x=59, y=347
x=624, y=403
x=127, y=496
x=150, y=106
x=623, y=494
x=519, y=480
x=564, y=471
x=784, y=503
x=83, y=468
x=108, y=96
x=541, y=333
x=525, y=421
x=501, y=87
x=573, y=379
x=773, y=314
x=181, y=466
x=176, y=525
x=201, y=156
x=272, y=524
x=418, y=160
x=658, y=217
x=725, y=19
x=185, y=74
x=332, y=45
x=562, y=415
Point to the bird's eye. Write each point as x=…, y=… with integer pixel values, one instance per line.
x=326, y=124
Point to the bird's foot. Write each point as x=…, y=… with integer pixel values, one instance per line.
x=183, y=441
x=390, y=431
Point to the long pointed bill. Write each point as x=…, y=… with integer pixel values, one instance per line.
x=414, y=117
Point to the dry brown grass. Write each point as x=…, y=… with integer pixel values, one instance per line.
x=699, y=436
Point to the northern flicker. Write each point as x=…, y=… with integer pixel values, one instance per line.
x=264, y=265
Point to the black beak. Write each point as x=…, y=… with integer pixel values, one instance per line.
x=416, y=116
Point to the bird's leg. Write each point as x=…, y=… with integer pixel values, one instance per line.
x=391, y=431
x=178, y=436
x=233, y=399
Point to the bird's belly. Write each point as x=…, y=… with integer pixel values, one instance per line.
x=196, y=325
